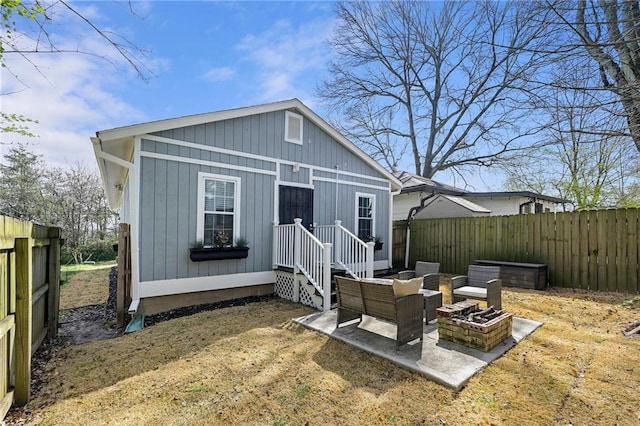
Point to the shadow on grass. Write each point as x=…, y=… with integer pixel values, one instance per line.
x=80, y=369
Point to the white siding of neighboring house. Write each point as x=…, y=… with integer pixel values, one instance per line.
x=507, y=205
x=443, y=206
x=402, y=203
x=498, y=206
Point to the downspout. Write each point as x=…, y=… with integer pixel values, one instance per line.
x=390, y=236
x=133, y=190
x=521, y=207
x=412, y=212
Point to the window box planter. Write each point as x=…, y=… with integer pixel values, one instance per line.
x=217, y=253
x=378, y=246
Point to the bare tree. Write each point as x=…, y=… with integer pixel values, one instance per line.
x=608, y=32
x=26, y=31
x=584, y=160
x=444, y=81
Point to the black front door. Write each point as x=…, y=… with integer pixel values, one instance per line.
x=296, y=202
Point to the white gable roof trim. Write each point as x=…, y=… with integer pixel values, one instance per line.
x=128, y=132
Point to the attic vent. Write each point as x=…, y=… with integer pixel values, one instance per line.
x=293, y=128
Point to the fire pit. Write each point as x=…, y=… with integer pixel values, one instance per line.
x=464, y=323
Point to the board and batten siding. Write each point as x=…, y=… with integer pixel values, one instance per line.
x=168, y=215
x=263, y=134
x=169, y=181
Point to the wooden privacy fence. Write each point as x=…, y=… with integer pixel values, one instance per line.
x=595, y=250
x=399, y=243
x=29, y=302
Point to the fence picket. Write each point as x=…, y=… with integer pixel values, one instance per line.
x=597, y=250
x=633, y=252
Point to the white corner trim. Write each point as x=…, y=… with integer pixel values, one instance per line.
x=218, y=282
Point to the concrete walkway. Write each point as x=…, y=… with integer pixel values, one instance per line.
x=447, y=363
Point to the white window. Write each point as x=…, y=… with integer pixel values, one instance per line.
x=293, y=127
x=218, y=209
x=365, y=216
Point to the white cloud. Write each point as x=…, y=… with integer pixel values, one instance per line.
x=289, y=58
x=70, y=94
x=220, y=74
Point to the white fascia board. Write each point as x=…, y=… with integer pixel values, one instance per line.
x=194, y=120
x=319, y=121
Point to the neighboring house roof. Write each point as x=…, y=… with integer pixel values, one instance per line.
x=473, y=207
x=526, y=194
x=114, y=148
x=417, y=183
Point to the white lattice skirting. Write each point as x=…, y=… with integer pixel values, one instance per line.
x=285, y=288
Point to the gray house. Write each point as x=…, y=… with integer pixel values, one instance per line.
x=306, y=199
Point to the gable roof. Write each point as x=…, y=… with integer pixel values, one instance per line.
x=114, y=147
x=417, y=183
x=466, y=204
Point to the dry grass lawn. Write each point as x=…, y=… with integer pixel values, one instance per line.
x=253, y=365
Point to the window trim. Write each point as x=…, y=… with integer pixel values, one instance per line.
x=287, y=137
x=372, y=197
x=202, y=177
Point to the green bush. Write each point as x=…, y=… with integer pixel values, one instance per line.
x=96, y=251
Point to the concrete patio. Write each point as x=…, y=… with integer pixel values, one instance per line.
x=447, y=363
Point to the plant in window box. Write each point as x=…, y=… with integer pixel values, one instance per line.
x=223, y=249
x=377, y=242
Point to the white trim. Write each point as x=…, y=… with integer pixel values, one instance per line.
x=296, y=139
x=224, y=166
x=134, y=201
x=258, y=157
x=373, y=212
x=202, y=176
x=218, y=282
x=348, y=182
x=194, y=120
x=296, y=184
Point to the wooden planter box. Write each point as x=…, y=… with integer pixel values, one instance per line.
x=483, y=337
x=216, y=253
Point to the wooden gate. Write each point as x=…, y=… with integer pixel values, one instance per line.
x=123, y=292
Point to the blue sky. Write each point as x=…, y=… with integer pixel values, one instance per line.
x=203, y=56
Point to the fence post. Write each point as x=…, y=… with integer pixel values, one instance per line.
x=370, y=254
x=24, y=278
x=54, y=282
x=326, y=277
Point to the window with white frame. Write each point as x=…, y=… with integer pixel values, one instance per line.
x=218, y=209
x=365, y=216
x=293, y=127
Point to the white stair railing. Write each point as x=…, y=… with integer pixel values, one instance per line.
x=295, y=247
x=351, y=253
